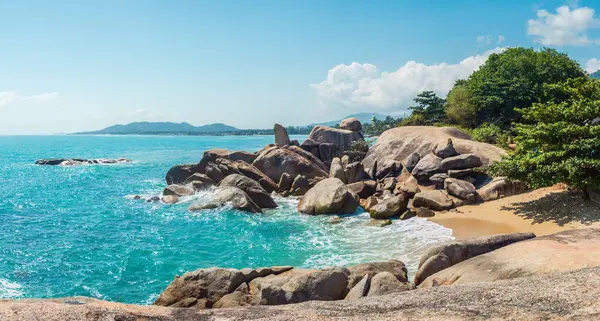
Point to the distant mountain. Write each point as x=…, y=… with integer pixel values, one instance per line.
x=362, y=117
x=158, y=128
x=596, y=74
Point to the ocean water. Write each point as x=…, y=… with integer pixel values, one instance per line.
x=68, y=231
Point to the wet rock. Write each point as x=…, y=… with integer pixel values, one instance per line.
x=170, y=199
x=390, y=207
x=153, y=199
x=334, y=219
x=285, y=183
x=368, y=203
x=178, y=190
x=234, y=196
x=178, y=174
x=379, y=222
x=251, y=187
x=408, y=214
x=214, y=173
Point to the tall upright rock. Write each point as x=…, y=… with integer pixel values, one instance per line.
x=281, y=136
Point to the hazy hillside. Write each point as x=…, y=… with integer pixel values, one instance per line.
x=596, y=74
x=154, y=128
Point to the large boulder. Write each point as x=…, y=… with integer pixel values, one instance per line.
x=178, y=174
x=211, y=155
x=501, y=187
x=398, y=143
x=442, y=256
x=357, y=272
x=252, y=188
x=308, y=155
x=199, y=181
x=461, y=189
x=211, y=284
x=234, y=196
x=388, y=168
x=385, y=283
x=435, y=199
x=354, y=172
x=427, y=167
x=463, y=161
x=281, y=136
x=445, y=150
x=273, y=162
x=559, y=252
x=341, y=138
x=178, y=190
x=229, y=167
x=329, y=196
x=352, y=124
x=389, y=207
x=363, y=189
x=336, y=170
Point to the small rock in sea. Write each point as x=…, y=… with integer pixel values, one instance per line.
x=379, y=223
x=137, y=197
x=335, y=219
x=170, y=199
x=153, y=199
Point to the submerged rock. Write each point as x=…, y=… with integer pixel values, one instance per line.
x=234, y=196
x=178, y=190
x=79, y=161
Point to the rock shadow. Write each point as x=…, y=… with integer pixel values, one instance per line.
x=558, y=207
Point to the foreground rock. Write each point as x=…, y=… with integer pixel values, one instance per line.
x=233, y=196
x=389, y=207
x=399, y=143
x=562, y=296
x=329, y=196
x=281, y=136
x=79, y=161
x=560, y=252
x=442, y=256
x=218, y=288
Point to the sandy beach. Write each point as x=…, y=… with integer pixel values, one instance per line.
x=542, y=211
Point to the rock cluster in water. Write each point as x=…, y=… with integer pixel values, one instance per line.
x=437, y=174
x=79, y=161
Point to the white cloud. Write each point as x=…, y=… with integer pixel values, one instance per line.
x=500, y=40
x=11, y=97
x=362, y=86
x=7, y=97
x=566, y=27
x=484, y=40
x=592, y=65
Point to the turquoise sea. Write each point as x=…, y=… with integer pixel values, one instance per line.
x=67, y=231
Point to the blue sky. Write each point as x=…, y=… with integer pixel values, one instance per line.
x=81, y=65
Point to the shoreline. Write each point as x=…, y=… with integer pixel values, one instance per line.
x=542, y=211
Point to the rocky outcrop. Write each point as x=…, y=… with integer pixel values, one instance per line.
x=233, y=196
x=501, y=187
x=329, y=196
x=560, y=252
x=178, y=190
x=212, y=155
x=79, y=161
x=273, y=162
x=281, y=136
x=178, y=174
x=340, y=138
x=389, y=207
x=337, y=171
x=426, y=167
x=442, y=256
x=199, y=181
x=435, y=200
x=258, y=194
x=461, y=189
x=352, y=124
x=561, y=296
x=363, y=189
x=385, y=283
x=399, y=143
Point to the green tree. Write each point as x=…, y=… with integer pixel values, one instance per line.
x=514, y=79
x=559, y=139
x=430, y=106
x=459, y=108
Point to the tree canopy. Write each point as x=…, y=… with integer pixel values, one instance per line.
x=514, y=79
x=559, y=138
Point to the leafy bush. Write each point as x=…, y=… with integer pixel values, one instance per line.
x=488, y=133
x=558, y=140
x=459, y=107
